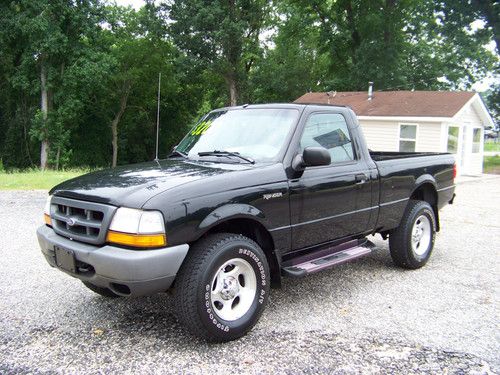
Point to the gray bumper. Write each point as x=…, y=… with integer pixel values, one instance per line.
x=125, y=272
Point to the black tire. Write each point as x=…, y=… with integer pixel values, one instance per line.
x=195, y=281
x=400, y=239
x=105, y=292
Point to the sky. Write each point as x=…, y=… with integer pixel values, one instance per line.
x=480, y=86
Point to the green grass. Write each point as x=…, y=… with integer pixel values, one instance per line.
x=492, y=164
x=491, y=146
x=35, y=179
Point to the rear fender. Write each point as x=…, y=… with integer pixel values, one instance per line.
x=425, y=179
x=426, y=190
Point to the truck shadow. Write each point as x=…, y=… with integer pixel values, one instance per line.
x=153, y=316
x=341, y=279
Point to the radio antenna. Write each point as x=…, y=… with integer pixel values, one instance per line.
x=158, y=117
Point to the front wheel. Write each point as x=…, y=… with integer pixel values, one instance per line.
x=222, y=287
x=411, y=243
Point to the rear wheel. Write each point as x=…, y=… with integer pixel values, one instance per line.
x=105, y=292
x=222, y=287
x=411, y=243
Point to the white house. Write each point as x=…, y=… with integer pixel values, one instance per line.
x=426, y=121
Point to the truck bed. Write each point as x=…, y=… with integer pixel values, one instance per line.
x=387, y=155
x=400, y=173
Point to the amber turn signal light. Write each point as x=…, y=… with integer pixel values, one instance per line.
x=137, y=240
x=47, y=219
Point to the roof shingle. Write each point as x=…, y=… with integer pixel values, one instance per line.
x=395, y=103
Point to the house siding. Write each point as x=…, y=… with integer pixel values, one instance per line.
x=468, y=114
x=429, y=137
x=381, y=135
x=384, y=135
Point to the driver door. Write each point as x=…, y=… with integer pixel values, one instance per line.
x=333, y=201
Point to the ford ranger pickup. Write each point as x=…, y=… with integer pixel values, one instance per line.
x=250, y=195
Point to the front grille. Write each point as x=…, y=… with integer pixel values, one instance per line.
x=81, y=220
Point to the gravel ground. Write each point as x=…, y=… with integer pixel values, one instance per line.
x=362, y=317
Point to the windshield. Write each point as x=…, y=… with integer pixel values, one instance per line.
x=258, y=134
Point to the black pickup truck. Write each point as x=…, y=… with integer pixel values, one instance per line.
x=250, y=195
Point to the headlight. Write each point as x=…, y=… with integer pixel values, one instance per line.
x=137, y=228
x=46, y=211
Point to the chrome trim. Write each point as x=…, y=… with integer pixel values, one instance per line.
x=323, y=218
x=339, y=215
x=394, y=202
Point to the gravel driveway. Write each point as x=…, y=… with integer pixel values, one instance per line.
x=366, y=316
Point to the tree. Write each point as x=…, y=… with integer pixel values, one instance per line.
x=291, y=63
x=399, y=44
x=363, y=41
x=222, y=35
x=461, y=42
x=49, y=37
x=489, y=12
x=139, y=56
x=492, y=98
x=78, y=79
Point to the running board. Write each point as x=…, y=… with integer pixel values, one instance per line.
x=326, y=261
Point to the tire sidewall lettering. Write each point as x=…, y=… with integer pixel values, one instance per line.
x=260, y=296
x=257, y=261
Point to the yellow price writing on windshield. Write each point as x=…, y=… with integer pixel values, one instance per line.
x=201, y=128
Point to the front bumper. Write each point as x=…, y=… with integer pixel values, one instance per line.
x=125, y=272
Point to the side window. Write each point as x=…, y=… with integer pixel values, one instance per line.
x=328, y=130
x=407, y=137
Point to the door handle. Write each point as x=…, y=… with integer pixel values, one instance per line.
x=361, y=178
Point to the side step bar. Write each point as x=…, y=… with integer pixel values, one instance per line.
x=300, y=268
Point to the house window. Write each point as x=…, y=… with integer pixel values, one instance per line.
x=452, y=145
x=407, y=137
x=476, y=140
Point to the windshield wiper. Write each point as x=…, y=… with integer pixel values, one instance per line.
x=177, y=153
x=226, y=153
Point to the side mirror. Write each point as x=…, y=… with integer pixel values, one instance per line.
x=311, y=157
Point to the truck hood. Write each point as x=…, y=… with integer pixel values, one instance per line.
x=132, y=185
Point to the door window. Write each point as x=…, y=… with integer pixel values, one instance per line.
x=476, y=140
x=452, y=145
x=329, y=130
x=407, y=137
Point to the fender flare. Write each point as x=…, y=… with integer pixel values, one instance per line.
x=232, y=211
x=429, y=179
x=229, y=212
x=424, y=179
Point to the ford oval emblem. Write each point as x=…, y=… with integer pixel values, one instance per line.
x=70, y=221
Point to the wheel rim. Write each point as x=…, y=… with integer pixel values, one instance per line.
x=421, y=235
x=233, y=289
